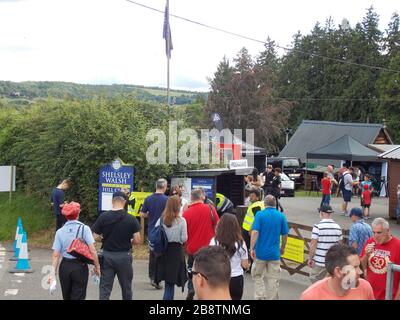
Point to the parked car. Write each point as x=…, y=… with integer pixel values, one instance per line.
x=287, y=186
x=292, y=167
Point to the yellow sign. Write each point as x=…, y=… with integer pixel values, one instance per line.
x=294, y=249
x=113, y=185
x=139, y=200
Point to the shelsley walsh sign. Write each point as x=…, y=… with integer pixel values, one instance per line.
x=114, y=177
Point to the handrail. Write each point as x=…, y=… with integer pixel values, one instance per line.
x=391, y=268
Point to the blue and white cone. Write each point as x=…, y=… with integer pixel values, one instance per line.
x=19, y=225
x=23, y=259
x=18, y=243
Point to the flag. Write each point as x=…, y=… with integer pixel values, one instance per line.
x=167, y=33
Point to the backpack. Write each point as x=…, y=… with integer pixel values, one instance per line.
x=341, y=182
x=158, y=241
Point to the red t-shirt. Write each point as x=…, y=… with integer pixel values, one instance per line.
x=366, y=195
x=326, y=186
x=377, y=266
x=200, y=227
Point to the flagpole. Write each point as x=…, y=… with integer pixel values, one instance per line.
x=168, y=58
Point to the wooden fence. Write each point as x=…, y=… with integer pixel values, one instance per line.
x=302, y=232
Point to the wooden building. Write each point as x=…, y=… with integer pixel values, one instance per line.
x=393, y=158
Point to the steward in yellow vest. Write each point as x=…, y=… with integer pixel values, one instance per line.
x=223, y=204
x=256, y=205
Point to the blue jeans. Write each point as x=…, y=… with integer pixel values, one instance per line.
x=326, y=198
x=169, y=291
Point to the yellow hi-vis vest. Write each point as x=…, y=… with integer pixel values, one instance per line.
x=131, y=209
x=219, y=199
x=251, y=211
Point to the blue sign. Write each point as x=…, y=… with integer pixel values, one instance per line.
x=206, y=183
x=114, y=177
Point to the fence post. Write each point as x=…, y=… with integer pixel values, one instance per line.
x=389, y=282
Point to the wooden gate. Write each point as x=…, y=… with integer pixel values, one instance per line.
x=302, y=232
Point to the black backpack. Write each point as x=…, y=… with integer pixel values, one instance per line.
x=341, y=182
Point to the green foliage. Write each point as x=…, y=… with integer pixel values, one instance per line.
x=57, y=139
x=24, y=93
x=243, y=95
x=34, y=212
x=388, y=86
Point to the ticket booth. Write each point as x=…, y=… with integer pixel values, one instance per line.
x=229, y=182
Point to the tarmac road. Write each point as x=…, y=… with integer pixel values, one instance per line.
x=26, y=286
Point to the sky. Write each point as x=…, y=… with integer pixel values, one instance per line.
x=115, y=41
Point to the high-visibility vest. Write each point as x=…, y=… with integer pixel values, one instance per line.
x=223, y=203
x=250, y=213
x=131, y=210
x=219, y=199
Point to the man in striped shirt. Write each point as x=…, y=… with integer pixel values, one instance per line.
x=324, y=235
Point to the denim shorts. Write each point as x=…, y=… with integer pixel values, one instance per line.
x=347, y=195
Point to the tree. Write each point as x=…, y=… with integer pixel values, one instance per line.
x=392, y=38
x=53, y=140
x=243, y=96
x=388, y=87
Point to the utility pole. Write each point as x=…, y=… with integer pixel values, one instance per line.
x=287, y=131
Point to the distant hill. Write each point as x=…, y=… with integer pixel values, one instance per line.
x=26, y=92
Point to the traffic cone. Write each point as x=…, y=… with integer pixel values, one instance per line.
x=18, y=242
x=19, y=225
x=23, y=259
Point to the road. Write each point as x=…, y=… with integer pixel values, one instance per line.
x=33, y=285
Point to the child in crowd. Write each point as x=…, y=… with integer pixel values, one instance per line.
x=366, y=196
x=326, y=189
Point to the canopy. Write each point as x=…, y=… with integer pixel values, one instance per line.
x=344, y=148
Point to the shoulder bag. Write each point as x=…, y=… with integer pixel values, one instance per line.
x=79, y=248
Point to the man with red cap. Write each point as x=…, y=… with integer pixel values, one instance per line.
x=73, y=273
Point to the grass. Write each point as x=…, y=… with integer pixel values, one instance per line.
x=162, y=92
x=37, y=219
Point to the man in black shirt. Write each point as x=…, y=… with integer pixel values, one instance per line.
x=118, y=231
x=269, y=176
x=276, y=187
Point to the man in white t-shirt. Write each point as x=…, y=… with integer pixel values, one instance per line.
x=324, y=235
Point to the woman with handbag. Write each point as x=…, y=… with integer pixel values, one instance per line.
x=171, y=266
x=74, y=243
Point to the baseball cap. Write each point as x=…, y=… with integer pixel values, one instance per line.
x=71, y=210
x=366, y=187
x=356, y=212
x=326, y=208
x=119, y=194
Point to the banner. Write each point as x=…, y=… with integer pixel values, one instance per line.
x=114, y=177
x=139, y=200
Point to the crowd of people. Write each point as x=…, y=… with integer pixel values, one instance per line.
x=349, y=183
x=208, y=251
